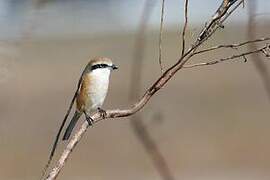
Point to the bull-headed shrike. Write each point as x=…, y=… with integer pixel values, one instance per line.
x=90, y=95
x=92, y=91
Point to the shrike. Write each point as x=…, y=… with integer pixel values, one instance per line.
x=90, y=95
x=92, y=92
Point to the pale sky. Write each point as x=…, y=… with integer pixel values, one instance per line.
x=65, y=18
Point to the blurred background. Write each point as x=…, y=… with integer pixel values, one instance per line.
x=208, y=122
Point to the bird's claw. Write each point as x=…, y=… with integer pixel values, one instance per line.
x=102, y=112
x=89, y=119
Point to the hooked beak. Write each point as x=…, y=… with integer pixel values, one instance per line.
x=114, y=67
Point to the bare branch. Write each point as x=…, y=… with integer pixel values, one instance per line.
x=227, y=14
x=233, y=46
x=260, y=50
x=206, y=32
x=185, y=27
x=62, y=126
x=156, y=86
x=160, y=36
x=218, y=18
x=72, y=143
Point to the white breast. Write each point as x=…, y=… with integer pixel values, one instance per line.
x=99, y=87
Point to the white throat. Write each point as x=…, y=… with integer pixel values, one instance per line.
x=101, y=74
x=99, y=86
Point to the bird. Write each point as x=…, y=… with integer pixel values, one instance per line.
x=90, y=94
x=92, y=91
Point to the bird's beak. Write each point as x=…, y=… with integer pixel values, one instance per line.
x=114, y=67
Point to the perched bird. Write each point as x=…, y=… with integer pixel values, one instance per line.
x=90, y=94
x=92, y=91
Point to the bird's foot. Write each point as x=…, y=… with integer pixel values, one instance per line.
x=102, y=112
x=89, y=119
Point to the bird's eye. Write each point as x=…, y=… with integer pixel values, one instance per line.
x=103, y=65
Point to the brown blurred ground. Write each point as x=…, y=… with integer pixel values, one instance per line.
x=215, y=119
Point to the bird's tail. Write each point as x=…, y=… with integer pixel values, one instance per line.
x=71, y=125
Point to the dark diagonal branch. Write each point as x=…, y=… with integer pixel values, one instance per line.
x=259, y=64
x=151, y=148
x=137, y=124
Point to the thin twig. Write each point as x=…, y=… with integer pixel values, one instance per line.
x=218, y=18
x=185, y=27
x=227, y=14
x=160, y=36
x=260, y=50
x=233, y=46
x=190, y=52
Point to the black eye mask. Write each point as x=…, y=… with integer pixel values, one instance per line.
x=97, y=66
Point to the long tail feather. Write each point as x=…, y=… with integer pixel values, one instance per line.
x=71, y=125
